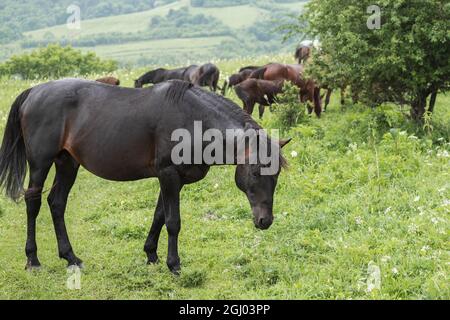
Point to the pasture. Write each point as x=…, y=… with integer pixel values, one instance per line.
x=365, y=188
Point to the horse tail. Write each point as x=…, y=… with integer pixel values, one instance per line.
x=13, y=160
x=259, y=73
x=317, y=101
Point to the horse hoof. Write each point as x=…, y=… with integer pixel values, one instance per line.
x=31, y=269
x=153, y=260
x=175, y=270
x=75, y=265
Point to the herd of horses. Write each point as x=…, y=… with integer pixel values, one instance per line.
x=252, y=84
x=126, y=134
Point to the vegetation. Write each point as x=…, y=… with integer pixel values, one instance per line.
x=55, y=62
x=366, y=188
x=404, y=61
x=246, y=30
x=286, y=110
x=20, y=16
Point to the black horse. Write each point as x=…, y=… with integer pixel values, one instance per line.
x=162, y=75
x=206, y=75
x=65, y=123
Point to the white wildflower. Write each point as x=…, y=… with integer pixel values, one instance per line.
x=294, y=154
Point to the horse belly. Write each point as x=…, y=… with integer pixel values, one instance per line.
x=115, y=161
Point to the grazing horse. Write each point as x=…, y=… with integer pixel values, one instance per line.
x=109, y=80
x=242, y=75
x=207, y=75
x=252, y=91
x=63, y=123
x=309, y=90
x=162, y=75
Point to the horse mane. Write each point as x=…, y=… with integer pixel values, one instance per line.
x=213, y=100
x=215, y=103
x=177, y=89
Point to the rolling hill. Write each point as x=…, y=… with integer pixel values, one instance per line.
x=229, y=31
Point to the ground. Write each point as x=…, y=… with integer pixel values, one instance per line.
x=366, y=191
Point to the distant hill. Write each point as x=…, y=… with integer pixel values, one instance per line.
x=169, y=31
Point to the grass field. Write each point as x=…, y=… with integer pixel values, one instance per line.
x=367, y=190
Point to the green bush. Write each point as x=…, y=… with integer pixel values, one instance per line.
x=55, y=61
x=288, y=110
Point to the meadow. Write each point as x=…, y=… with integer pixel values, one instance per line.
x=366, y=191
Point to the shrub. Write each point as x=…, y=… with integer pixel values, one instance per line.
x=56, y=61
x=288, y=110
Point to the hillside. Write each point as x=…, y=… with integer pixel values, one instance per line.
x=203, y=32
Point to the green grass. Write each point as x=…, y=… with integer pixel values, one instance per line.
x=352, y=197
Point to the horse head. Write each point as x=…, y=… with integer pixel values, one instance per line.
x=260, y=189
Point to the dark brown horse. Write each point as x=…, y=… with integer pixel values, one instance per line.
x=109, y=80
x=206, y=75
x=243, y=74
x=161, y=75
x=64, y=123
x=252, y=91
x=309, y=89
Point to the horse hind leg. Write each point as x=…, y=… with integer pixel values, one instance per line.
x=66, y=173
x=151, y=245
x=33, y=199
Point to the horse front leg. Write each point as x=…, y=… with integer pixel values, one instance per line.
x=171, y=186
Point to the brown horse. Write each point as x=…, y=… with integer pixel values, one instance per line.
x=243, y=74
x=252, y=91
x=109, y=80
x=302, y=54
x=309, y=89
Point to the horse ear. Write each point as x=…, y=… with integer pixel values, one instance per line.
x=283, y=143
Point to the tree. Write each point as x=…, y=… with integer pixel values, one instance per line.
x=405, y=59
